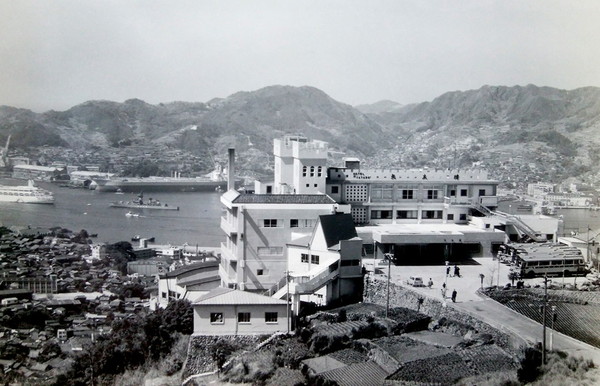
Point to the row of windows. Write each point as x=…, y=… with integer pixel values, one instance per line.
x=304, y=257
x=242, y=317
x=413, y=214
x=305, y=170
x=294, y=223
x=407, y=194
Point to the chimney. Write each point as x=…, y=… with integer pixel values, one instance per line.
x=230, y=169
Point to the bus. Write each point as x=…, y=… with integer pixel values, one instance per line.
x=550, y=260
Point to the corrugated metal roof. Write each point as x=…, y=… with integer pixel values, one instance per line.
x=283, y=199
x=227, y=296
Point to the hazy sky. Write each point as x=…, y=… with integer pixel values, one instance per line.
x=55, y=54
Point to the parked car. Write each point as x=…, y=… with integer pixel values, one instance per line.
x=415, y=281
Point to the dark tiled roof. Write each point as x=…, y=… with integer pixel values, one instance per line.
x=336, y=227
x=366, y=373
x=283, y=199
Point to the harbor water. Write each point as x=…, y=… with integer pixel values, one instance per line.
x=196, y=222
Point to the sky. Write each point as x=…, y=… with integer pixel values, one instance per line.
x=55, y=54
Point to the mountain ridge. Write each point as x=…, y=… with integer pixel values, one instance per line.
x=551, y=133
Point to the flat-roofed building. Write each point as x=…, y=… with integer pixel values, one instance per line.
x=35, y=172
x=257, y=229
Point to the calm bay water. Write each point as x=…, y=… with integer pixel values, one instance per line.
x=196, y=222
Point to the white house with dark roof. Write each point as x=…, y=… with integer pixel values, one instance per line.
x=225, y=311
x=188, y=282
x=257, y=229
x=326, y=266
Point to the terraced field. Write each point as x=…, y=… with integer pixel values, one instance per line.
x=573, y=317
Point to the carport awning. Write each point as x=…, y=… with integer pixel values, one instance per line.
x=435, y=234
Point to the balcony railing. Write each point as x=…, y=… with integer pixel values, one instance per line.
x=227, y=254
x=227, y=227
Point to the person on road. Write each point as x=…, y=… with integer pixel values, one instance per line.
x=456, y=271
x=448, y=271
x=453, y=296
x=430, y=283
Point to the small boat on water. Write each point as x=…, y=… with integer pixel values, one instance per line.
x=138, y=238
x=132, y=214
x=139, y=203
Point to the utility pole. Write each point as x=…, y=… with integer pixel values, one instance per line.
x=546, y=280
x=389, y=257
x=287, y=308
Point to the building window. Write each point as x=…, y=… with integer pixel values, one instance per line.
x=407, y=214
x=381, y=214
x=306, y=223
x=269, y=189
x=294, y=223
x=307, y=185
x=407, y=194
x=350, y=263
x=312, y=171
x=450, y=216
x=463, y=217
x=463, y=193
x=271, y=317
x=319, y=171
x=314, y=259
x=481, y=192
x=432, y=214
x=243, y=317
x=163, y=295
x=270, y=223
x=304, y=258
x=316, y=185
x=452, y=192
x=432, y=194
x=304, y=171
x=259, y=272
x=335, y=189
x=216, y=317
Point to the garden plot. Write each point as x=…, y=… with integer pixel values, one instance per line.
x=405, y=350
x=573, y=317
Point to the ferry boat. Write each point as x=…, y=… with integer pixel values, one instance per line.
x=29, y=194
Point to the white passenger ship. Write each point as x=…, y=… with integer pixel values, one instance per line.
x=30, y=194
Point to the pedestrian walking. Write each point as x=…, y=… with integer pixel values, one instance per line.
x=430, y=283
x=444, y=292
x=456, y=271
x=453, y=296
x=448, y=271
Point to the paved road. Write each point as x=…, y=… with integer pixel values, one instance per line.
x=481, y=307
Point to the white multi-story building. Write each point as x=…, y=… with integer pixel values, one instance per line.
x=300, y=165
x=257, y=229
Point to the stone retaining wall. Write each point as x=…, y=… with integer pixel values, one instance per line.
x=445, y=317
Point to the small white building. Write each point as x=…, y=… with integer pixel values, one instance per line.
x=225, y=311
x=327, y=266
